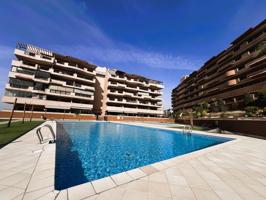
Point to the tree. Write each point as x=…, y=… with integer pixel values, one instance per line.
x=261, y=99
x=248, y=100
x=221, y=106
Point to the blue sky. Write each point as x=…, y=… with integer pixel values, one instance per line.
x=160, y=39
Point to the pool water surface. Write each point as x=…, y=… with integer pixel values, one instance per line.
x=86, y=151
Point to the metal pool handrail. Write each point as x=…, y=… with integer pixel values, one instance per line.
x=187, y=129
x=40, y=136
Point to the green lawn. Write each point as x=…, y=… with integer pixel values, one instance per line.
x=2, y=120
x=8, y=134
x=195, y=128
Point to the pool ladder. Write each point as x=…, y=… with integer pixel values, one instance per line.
x=40, y=136
x=187, y=129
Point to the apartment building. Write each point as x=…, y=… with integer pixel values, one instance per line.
x=47, y=81
x=132, y=95
x=235, y=72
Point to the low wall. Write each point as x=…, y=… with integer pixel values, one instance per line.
x=244, y=126
x=139, y=119
x=38, y=115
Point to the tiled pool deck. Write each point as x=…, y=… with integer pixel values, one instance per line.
x=233, y=170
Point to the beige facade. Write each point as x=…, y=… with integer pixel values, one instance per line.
x=133, y=94
x=50, y=81
x=46, y=81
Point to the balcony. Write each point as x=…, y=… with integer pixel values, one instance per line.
x=155, y=92
x=63, y=83
x=58, y=82
x=257, y=73
x=81, y=78
x=20, y=63
x=20, y=75
x=19, y=87
x=124, y=101
x=230, y=73
x=47, y=103
x=83, y=93
x=133, y=102
x=28, y=77
x=156, y=85
x=86, y=87
x=31, y=56
x=158, y=98
x=132, y=88
x=133, y=110
x=118, y=78
x=114, y=100
x=75, y=68
x=120, y=93
x=67, y=94
x=232, y=82
x=72, y=76
x=256, y=61
x=117, y=85
x=62, y=73
x=135, y=81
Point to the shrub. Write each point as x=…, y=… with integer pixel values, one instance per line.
x=204, y=113
x=200, y=110
x=264, y=111
x=252, y=111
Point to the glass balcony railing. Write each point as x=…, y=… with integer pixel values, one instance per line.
x=18, y=94
x=25, y=71
x=19, y=86
x=60, y=92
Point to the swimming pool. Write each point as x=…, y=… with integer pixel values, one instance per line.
x=86, y=151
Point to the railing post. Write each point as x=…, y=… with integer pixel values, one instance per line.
x=11, y=116
x=24, y=113
x=45, y=111
x=32, y=107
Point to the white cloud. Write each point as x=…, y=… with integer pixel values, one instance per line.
x=98, y=46
x=125, y=54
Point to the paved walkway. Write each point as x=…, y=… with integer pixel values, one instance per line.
x=233, y=170
x=20, y=161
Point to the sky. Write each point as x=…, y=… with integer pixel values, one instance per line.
x=160, y=39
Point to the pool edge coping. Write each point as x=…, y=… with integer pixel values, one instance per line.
x=157, y=166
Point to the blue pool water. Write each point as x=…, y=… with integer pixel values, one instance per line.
x=86, y=151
